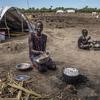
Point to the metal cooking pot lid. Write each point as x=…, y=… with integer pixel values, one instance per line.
x=22, y=77
x=71, y=72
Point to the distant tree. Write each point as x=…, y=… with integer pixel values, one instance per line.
x=85, y=9
x=37, y=10
x=50, y=9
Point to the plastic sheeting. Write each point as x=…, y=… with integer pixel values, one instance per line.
x=12, y=18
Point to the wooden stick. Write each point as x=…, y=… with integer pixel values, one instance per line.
x=20, y=93
x=8, y=98
x=25, y=90
x=41, y=97
x=27, y=97
x=29, y=81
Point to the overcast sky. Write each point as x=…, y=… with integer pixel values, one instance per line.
x=48, y=3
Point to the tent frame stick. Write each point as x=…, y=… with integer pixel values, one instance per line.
x=22, y=26
x=7, y=26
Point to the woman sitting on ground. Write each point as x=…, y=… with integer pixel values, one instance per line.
x=84, y=40
x=37, y=46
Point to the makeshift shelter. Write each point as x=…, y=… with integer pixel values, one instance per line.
x=70, y=11
x=12, y=21
x=59, y=11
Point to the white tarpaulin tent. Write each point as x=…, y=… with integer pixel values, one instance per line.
x=59, y=11
x=70, y=11
x=11, y=18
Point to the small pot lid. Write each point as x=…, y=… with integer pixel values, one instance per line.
x=71, y=72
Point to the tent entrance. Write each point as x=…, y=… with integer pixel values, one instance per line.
x=13, y=23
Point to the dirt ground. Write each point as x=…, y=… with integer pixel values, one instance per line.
x=62, y=45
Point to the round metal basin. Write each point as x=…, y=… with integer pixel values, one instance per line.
x=71, y=75
x=22, y=77
x=23, y=66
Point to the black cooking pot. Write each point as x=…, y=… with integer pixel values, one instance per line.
x=71, y=75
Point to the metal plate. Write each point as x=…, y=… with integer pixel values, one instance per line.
x=42, y=58
x=23, y=66
x=22, y=77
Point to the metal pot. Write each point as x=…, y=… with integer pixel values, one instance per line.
x=71, y=75
x=96, y=45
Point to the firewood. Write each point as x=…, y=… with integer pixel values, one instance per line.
x=20, y=93
x=25, y=90
x=27, y=97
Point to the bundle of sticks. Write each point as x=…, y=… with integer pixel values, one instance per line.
x=10, y=88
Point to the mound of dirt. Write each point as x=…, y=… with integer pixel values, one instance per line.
x=12, y=47
x=58, y=21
